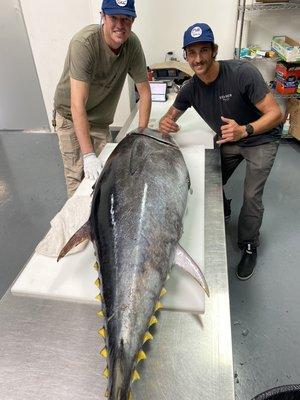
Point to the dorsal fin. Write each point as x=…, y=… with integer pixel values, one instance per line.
x=82, y=234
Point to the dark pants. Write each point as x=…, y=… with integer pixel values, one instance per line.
x=259, y=162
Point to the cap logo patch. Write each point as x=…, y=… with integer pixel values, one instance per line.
x=121, y=3
x=196, y=32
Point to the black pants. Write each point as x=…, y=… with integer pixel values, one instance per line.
x=259, y=162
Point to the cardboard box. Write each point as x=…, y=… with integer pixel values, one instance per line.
x=293, y=108
x=287, y=48
x=286, y=70
x=286, y=86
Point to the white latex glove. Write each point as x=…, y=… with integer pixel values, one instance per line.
x=92, y=166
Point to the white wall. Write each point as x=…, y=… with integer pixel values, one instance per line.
x=161, y=23
x=21, y=102
x=50, y=26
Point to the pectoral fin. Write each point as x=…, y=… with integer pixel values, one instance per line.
x=184, y=261
x=82, y=234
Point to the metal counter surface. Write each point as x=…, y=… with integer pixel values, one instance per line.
x=50, y=349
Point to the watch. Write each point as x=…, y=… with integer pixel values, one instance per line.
x=249, y=129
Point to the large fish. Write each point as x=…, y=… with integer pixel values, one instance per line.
x=135, y=224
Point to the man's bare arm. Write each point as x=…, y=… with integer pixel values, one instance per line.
x=167, y=123
x=79, y=96
x=271, y=115
x=144, y=104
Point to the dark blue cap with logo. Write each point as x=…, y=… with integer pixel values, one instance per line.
x=119, y=7
x=198, y=33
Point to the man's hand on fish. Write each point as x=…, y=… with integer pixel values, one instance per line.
x=168, y=125
x=231, y=131
x=92, y=166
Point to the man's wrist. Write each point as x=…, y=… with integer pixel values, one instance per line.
x=249, y=129
x=87, y=155
x=244, y=132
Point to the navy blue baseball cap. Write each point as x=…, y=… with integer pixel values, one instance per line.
x=117, y=7
x=198, y=33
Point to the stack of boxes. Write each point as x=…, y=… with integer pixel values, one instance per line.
x=287, y=77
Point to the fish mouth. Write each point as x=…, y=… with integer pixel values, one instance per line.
x=157, y=135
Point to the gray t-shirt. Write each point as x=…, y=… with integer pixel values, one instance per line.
x=238, y=87
x=90, y=60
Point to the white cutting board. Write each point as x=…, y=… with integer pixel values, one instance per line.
x=193, y=129
x=73, y=277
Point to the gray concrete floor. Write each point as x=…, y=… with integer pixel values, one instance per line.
x=265, y=310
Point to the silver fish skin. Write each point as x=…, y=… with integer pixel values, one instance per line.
x=136, y=222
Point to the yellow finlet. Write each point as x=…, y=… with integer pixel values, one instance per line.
x=100, y=314
x=102, y=332
x=106, y=393
x=99, y=297
x=135, y=376
x=153, y=320
x=130, y=396
x=141, y=356
x=158, y=306
x=104, y=352
x=98, y=283
x=96, y=266
x=106, y=372
x=163, y=292
x=147, y=337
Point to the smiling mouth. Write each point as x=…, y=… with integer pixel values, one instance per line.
x=119, y=32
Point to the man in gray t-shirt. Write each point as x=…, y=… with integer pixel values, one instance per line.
x=97, y=63
x=233, y=99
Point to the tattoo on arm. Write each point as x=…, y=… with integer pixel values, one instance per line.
x=173, y=113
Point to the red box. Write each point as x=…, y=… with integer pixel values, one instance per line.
x=288, y=70
x=285, y=87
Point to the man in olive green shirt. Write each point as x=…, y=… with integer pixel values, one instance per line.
x=86, y=97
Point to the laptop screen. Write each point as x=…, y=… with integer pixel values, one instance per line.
x=158, y=91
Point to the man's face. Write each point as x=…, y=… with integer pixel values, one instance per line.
x=117, y=29
x=200, y=57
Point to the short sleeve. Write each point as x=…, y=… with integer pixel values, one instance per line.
x=183, y=99
x=137, y=68
x=80, y=61
x=251, y=83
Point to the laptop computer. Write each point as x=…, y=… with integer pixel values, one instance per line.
x=158, y=91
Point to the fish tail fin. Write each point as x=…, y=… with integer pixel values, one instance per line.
x=82, y=234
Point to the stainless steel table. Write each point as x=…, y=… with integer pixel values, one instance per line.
x=49, y=349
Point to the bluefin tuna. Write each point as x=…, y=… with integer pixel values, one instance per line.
x=135, y=224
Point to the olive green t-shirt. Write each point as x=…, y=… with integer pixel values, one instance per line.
x=90, y=60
